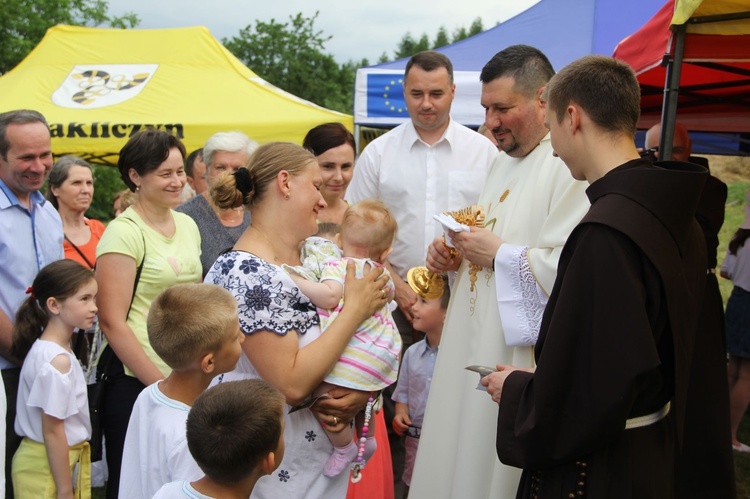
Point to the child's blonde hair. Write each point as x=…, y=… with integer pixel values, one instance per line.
x=127, y=198
x=187, y=321
x=327, y=230
x=369, y=223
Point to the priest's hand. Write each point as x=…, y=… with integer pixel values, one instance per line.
x=439, y=257
x=478, y=246
x=495, y=381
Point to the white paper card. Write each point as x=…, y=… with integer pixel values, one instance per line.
x=449, y=223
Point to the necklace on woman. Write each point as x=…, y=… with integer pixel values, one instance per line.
x=158, y=229
x=268, y=240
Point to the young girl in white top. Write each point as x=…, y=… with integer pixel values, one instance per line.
x=52, y=406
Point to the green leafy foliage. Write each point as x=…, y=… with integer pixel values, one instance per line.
x=291, y=56
x=476, y=27
x=460, y=34
x=408, y=46
x=107, y=183
x=23, y=23
x=734, y=215
x=441, y=39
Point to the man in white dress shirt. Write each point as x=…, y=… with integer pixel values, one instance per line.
x=531, y=204
x=425, y=166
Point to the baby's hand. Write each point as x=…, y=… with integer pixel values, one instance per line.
x=296, y=277
x=299, y=273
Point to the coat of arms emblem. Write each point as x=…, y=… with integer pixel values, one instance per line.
x=101, y=85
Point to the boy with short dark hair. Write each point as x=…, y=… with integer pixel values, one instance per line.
x=235, y=432
x=603, y=413
x=194, y=328
x=414, y=379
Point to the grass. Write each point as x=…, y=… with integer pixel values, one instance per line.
x=735, y=172
x=733, y=217
x=742, y=461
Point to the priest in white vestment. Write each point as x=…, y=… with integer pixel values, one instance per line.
x=531, y=204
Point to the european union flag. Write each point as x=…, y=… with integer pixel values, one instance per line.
x=385, y=96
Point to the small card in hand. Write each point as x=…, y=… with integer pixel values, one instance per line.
x=483, y=371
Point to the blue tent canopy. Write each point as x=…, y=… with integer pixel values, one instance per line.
x=563, y=29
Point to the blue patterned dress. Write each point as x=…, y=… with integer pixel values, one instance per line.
x=269, y=302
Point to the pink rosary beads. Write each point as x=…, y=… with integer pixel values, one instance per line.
x=359, y=464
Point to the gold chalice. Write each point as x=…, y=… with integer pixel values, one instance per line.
x=426, y=284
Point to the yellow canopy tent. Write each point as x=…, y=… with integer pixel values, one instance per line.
x=96, y=87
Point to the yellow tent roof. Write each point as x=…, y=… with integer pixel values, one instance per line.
x=97, y=86
x=687, y=9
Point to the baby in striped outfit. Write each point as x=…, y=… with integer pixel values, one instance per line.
x=370, y=360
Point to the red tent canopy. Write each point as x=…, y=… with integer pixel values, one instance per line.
x=714, y=84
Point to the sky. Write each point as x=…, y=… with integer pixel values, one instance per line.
x=359, y=29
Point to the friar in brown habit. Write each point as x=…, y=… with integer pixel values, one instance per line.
x=603, y=414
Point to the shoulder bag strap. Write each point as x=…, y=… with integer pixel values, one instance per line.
x=91, y=266
x=135, y=286
x=81, y=334
x=140, y=266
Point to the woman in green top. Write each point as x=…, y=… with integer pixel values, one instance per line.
x=145, y=250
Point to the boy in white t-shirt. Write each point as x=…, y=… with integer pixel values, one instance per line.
x=235, y=432
x=194, y=328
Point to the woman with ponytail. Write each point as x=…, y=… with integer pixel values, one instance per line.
x=52, y=407
x=281, y=188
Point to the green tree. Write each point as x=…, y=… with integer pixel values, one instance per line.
x=23, y=23
x=107, y=183
x=460, y=34
x=476, y=27
x=441, y=39
x=423, y=44
x=291, y=56
x=406, y=47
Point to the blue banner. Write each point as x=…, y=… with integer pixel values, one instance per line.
x=385, y=96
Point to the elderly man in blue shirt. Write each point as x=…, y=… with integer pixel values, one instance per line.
x=31, y=237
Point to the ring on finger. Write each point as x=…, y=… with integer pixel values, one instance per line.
x=335, y=420
x=384, y=293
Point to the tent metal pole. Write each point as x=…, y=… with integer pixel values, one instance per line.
x=733, y=16
x=671, y=93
